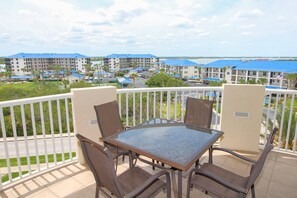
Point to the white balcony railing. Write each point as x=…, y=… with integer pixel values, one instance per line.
x=38, y=133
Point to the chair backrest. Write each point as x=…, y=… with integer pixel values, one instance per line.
x=100, y=162
x=198, y=112
x=258, y=166
x=108, y=118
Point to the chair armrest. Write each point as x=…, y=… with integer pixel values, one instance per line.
x=149, y=182
x=219, y=180
x=235, y=154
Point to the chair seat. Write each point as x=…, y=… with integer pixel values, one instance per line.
x=217, y=189
x=134, y=177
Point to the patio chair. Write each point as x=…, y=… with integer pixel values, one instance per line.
x=110, y=123
x=134, y=182
x=198, y=112
x=223, y=183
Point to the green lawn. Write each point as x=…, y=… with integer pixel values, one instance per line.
x=178, y=110
x=5, y=178
x=23, y=160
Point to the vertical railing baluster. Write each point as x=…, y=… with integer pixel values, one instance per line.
x=35, y=135
x=52, y=130
x=133, y=108
x=127, y=109
x=147, y=105
x=60, y=130
x=267, y=117
x=26, y=138
x=181, y=105
x=175, y=105
x=140, y=107
x=282, y=121
x=5, y=145
x=154, y=104
x=289, y=123
x=68, y=128
x=168, y=105
x=15, y=137
x=217, y=109
x=275, y=111
x=43, y=133
x=161, y=104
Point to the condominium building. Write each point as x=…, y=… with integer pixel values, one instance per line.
x=274, y=72
x=181, y=67
x=115, y=62
x=27, y=63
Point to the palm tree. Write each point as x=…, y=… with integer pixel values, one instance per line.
x=262, y=81
x=292, y=80
x=134, y=76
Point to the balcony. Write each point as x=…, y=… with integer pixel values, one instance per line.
x=43, y=126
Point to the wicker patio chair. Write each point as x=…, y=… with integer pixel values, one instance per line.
x=198, y=112
x=110, y=123
x=134, y=182
x=223, y=183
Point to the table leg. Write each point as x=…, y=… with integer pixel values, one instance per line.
x=179, y=183
x=177, y=187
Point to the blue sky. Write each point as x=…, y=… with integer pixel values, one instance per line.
x=162, y=28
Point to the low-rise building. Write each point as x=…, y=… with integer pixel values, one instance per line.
x=115, y=62
x=270, y=72
x=181, y=67
x=27, y=63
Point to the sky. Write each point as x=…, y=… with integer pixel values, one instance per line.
x=159, y=27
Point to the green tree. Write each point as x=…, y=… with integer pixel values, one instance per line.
x=163, y=80
x=134, y=65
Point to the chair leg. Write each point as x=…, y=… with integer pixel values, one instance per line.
x=253, y=191
x=210, y=155
x=123, y=159
x=197, y=163
x=97, y=192
x=153, y=163
x=116, y=168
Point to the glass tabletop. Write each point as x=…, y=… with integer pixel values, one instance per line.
x=176, y=143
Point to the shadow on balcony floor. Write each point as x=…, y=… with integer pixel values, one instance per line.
x=74, y=180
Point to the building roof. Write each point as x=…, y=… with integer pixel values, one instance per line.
x=179, y=62
x=131, y=56
x=257, y=65
x=269, y=65
x=224, y=63
x=46, y=55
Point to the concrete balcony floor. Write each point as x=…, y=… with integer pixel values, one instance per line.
x=277, y=179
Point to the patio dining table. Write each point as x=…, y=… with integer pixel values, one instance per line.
x=178, y=145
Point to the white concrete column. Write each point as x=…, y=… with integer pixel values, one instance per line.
x=84, y=116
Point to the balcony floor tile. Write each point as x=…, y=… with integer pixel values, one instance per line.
x=74, y=180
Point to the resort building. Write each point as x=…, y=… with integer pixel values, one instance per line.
x=271, y=72
x=115, y=62
x=27, y=63
x=181, y=68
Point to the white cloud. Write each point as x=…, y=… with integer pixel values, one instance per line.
x=27, y=13
x=99, y=28
x=247, y=26
x=246, y=33
x=249, y=13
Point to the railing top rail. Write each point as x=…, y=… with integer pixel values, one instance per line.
x=280, y=91
x=133, y=90
x=34, y=100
